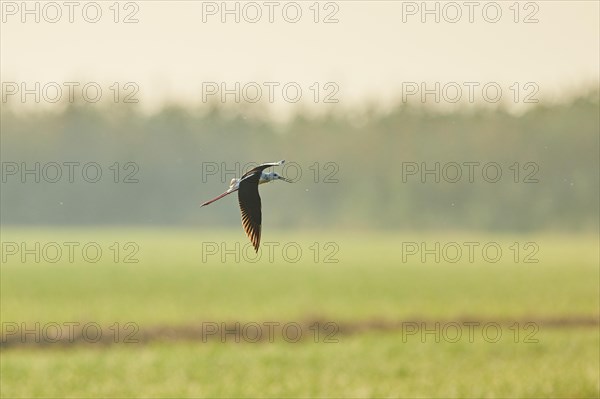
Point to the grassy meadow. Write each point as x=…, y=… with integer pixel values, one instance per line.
x=441, y=238
x=365, y=287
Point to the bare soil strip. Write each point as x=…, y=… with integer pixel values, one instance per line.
x=68, y=335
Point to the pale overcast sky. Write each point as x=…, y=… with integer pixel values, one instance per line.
x=376, y=51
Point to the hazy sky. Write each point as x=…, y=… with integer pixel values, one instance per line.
x=376, y=51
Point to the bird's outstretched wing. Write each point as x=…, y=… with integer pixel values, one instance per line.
x=250, y=207
x=258, y=170
x=250, y=204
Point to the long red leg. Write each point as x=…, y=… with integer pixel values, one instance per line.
x=218, y=198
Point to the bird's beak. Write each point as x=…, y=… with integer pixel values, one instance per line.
x=285, y=179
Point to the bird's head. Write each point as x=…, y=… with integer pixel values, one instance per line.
x=269, y=177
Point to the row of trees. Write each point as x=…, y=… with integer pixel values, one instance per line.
x=408, y=168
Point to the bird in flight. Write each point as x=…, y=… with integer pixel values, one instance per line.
x=247, y=188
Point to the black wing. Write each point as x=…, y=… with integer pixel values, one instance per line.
x=250, y=204
x=258, y=170
x=251, y=208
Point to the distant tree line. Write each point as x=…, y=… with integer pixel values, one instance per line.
x=405, y=169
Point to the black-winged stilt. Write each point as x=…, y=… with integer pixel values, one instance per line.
x=247, y=188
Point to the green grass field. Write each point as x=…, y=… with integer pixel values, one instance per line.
x=178, y=284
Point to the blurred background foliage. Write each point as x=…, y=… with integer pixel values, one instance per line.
x=176, y=146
